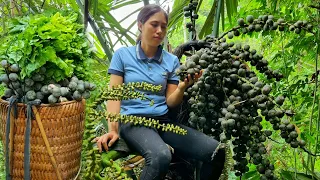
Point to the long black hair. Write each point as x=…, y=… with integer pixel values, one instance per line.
x=148, y=11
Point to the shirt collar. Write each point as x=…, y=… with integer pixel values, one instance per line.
x=142, y=56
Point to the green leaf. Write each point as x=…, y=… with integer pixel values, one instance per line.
x=45, y=54
x=18, y=25
x=59, y=45
x=229, y=10
x=251, y=175
x=176, y=15
x=199, y=5
x=95, y=7
x=125, y=3
x=105, y=123
x=17, y=29
x=96, y=41
x=72, y=17
x=306, y=135
x=222, y=14
x=54, y=73
x=207, y=27
x=235, y=6
x=114, y=24
x=288, y=175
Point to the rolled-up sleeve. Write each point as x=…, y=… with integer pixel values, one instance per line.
x=173, y=78
x=116, y=66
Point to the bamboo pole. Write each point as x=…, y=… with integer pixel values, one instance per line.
x=45, y=139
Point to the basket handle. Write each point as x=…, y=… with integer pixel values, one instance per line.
x=45, y=139
x=11, y=116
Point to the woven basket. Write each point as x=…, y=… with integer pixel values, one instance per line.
x=63, y=124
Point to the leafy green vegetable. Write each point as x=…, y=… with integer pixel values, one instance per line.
x=49, y=40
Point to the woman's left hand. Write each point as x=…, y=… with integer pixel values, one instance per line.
x=183, y=85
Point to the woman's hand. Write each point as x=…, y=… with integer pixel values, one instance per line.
x=189, y=81
x=108, y=138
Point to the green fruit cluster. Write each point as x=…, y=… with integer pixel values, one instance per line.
x=128, y=91
x=138, y=85
x=229, y=102
x=145, y=122
x=38, y=87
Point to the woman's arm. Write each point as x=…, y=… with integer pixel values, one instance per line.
x=112, y=136
x=114, y=106
x=174, y=93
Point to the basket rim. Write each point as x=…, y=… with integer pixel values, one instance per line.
x=2, y=101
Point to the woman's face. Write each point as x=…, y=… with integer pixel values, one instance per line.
x=154, y=29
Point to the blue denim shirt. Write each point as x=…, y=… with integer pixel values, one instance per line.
x=134, y=66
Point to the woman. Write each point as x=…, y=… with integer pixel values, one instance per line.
x=148, y=62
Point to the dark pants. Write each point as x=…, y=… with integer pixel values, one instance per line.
x=151, y=144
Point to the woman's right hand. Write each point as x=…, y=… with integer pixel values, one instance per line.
x=106, y=140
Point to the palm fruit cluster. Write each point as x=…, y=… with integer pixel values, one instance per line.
x=38, y=87
x=190, y=12
x=102, y=166
x=266, y=23
x=229, y=101
x=141, y=121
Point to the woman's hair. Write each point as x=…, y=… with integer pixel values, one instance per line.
x=148, y=11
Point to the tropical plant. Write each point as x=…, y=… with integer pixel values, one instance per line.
x=96, y=13
x=294, y=56
x=42, y=50
x=217, y=7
